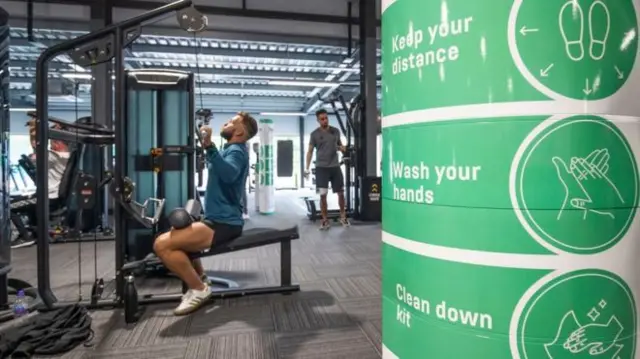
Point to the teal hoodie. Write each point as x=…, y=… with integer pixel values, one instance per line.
x=225, y=183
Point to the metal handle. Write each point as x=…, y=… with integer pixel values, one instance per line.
x=158, y=207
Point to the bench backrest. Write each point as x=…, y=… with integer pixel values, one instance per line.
x=70, y=173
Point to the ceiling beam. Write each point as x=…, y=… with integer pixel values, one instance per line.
x=207, y=50
x=217, y=51
x=224, y=11
x=18, y=23
x=249, y=74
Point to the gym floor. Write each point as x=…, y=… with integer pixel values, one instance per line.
x=335, y=315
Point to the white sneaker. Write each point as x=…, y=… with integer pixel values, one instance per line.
x=192, y=300
x=325, y=225
x=245, y=216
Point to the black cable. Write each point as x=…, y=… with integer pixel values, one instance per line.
x=197, y=49
x=78, y=213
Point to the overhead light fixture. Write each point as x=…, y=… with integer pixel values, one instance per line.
x=298, y=114
x=303, y=83
x=78, y=76
x=19, y=109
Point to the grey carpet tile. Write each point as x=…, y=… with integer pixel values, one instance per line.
x=376, y=268
x=300, y=274
x=363, y=308
x=315, y=245
x=231, y=264
x=331, y=258
x=368, y=246
x=75, y=354
x=102, y=324
x=366, y=257
x=268, y=252
x=309, y=290
x=252, y=300
x=355, y=287
x=164, y=351
x=335, y=315
x=343, y=270
x=244, y=346
x=215, y=321
x=159, y=284
x=342, y=343
x=308, y=314
x=158, y=325
x=199, y=349
x=373, y=331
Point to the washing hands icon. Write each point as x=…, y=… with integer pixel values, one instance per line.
x=592, y=340
x=587, y=185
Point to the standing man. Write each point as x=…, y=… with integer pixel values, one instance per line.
x=325, y=140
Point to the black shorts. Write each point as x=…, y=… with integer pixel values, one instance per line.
x=333, y=175
x=223, y=233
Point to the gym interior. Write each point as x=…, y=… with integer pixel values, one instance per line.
x=442, y=111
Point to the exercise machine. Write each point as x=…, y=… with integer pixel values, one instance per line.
x=87, y=50
x=98, y=47
x=62, y=208
x=223, y=288
x=160, y=147
x=368, y=192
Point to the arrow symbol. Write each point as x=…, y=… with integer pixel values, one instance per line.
x=620, y=73
x=545, y=72
x=587, y=91
x=524, y=31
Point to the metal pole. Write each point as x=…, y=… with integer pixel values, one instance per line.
x=369, y=86
x=101, y=111
x=42, y=179
x=302, y=151
x=121, y=158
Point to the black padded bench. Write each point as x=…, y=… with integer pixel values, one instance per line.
x=251, y=238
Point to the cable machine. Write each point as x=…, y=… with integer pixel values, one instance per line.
x=160, y=147
x=87, y=50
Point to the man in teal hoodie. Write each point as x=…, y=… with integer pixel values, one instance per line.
x=222, y=221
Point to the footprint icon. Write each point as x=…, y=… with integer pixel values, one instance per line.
x=599, y=25
x=571, y=21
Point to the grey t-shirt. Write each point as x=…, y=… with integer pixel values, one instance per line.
x=326, y=143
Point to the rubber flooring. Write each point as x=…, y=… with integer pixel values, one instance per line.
x=335, y=315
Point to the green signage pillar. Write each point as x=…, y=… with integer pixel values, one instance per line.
x=266, y=195
x=510, y=179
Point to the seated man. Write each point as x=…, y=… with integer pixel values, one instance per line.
x=222, y=221
x=58, y=159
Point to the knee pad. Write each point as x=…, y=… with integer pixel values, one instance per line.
x=323, y=191
x=179, y=218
